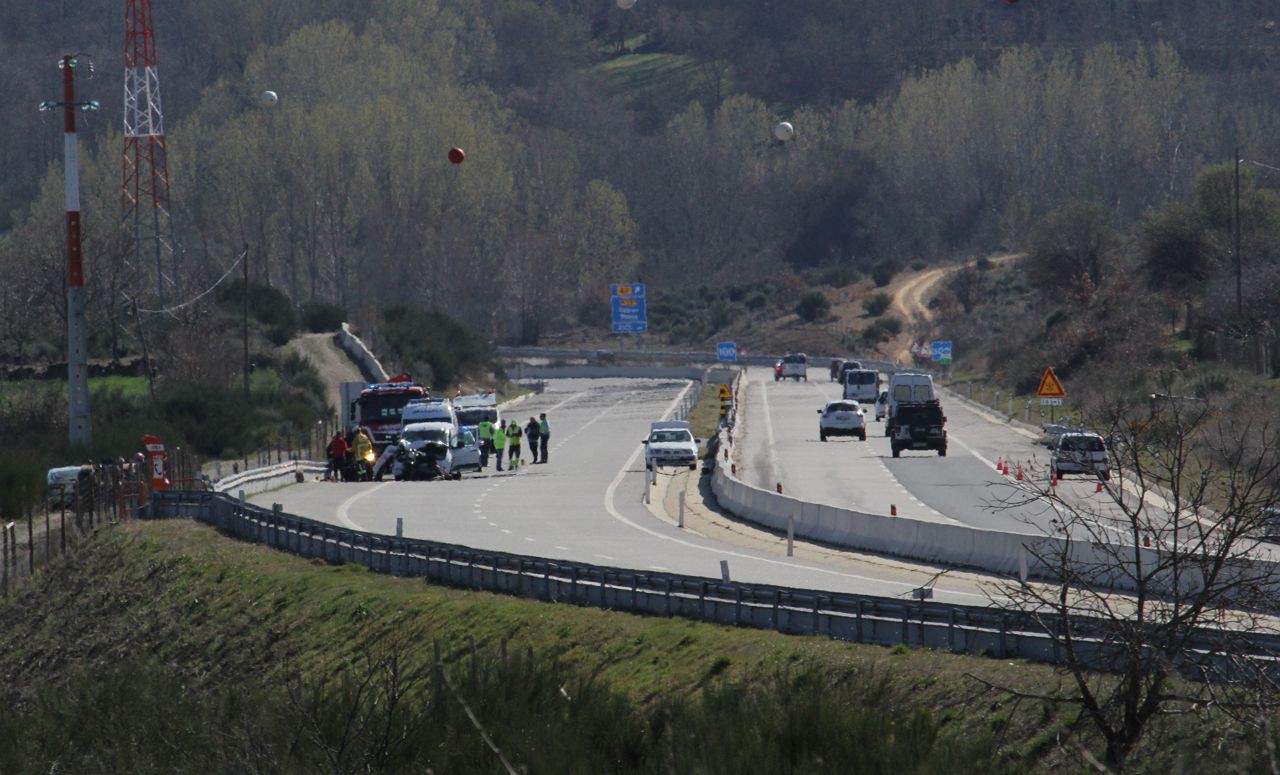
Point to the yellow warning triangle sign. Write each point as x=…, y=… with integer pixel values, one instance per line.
x=1050, y=387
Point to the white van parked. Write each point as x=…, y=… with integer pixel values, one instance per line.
x=861, y=385
x=907, y=387
x=428, y=410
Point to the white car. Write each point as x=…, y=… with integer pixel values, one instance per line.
x=793, y=366
x=1081, y=453
x=842, y=418
x=455, y=451
x=670, y=444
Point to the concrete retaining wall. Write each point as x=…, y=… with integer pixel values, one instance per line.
x=369, y=365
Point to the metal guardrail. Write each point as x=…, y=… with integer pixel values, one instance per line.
x=614, y=356
x=857, y=618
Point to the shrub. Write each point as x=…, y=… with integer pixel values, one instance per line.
x=883, y=273
x=813, y=306
x=876, y=305
x=839, y=275
x=321, y=317
x=435, y=341
x=918, y=265
x=983, y=264
x=756, y=301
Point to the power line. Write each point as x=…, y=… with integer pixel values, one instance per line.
x=206, y=292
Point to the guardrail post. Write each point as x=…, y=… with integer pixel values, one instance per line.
x=680, y=513
x=702, y=601
x=737, y=607
x=791, y=533
x=777, y=599
x=276, y=511
x=817, y=622
x=546, y=582
x=399, y=527
x=635, y=585
x=573, y=585
x=667, y=593
x=857, y=622
x=951, y=629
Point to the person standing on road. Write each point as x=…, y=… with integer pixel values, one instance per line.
x=337, y=457
x=513, y=441
x=544, y=434
x=499, y=443
x=533, y=432
x=484, y=430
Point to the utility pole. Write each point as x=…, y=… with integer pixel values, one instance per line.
x=244, y=320
x=79, y=425
x=1236, y=228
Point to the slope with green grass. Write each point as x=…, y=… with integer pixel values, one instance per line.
x=167, y=647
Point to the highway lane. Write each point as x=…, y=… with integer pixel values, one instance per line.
x=778, y=442
x=586, y=505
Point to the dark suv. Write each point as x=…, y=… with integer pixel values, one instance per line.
x=919, y=426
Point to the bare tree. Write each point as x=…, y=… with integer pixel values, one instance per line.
x=1163, y=574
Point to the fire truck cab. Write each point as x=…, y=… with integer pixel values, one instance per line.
x=379, y=408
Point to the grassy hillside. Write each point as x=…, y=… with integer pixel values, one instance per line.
x=166, y=647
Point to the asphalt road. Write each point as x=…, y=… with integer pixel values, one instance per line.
x=778, y=443
x=586, y=504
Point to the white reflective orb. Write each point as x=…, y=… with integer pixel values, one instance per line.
x=269, y=98
x=784, y=131
x=626, y=4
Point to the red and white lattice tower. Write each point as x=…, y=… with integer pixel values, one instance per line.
x=146, y=173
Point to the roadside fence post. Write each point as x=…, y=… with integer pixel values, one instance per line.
x=791, y=533
x=31, y=544
x=680, y=513
x=399, y=527
x=4, y=560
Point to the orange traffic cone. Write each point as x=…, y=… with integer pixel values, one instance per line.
x=1146, y=540
x=1006, y=468
x=1099, y=487
x=1053, y=480
x=779, y=487
x=893, y=509
x=999, y=464
x=1019, y=472
x=733, y=468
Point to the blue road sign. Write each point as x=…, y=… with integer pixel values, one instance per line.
x=727, y=351
x=942, y=351
x=629, y=313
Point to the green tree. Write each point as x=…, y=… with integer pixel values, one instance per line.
x=1072, y=246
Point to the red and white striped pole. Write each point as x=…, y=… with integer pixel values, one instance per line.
x=77, y=350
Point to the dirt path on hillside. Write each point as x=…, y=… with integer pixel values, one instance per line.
x=911, y=299
x=330, y=361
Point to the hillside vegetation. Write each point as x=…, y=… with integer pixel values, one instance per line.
x=164, y=647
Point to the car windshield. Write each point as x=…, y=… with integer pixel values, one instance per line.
x=794, y=359
x=663, y=437
x=860, y=378
x=1083, y=444
x=426, y=435
x=842, y=407
x=475, y=416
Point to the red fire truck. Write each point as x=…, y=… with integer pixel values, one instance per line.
x=378, y=408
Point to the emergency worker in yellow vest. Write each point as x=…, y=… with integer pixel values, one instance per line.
x=499, y=444
x=484, y=430
x=514, y=441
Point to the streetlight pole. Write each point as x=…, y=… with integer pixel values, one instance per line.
x=79, y=426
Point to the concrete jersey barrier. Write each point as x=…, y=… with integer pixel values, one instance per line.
x=962, y=546
x=364, y=358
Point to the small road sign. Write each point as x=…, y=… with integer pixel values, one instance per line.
x=942, y=351
x=1051, y=402
x=1050, y=386
x=727, y=351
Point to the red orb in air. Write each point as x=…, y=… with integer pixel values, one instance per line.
x=456, y=155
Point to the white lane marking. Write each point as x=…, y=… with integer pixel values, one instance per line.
x=345, y=506
x=721, y=553
x=575, y=396
x=563, y=548
x=508, y=532
x=531, y=540
x=606, y=557
x=768, y=418
x=658, y=568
